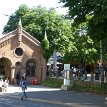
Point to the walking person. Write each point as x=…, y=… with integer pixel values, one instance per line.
x=5, y=85
x=23, y=85
x=18, y=78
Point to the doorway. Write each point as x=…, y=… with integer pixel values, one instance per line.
x=5, y=67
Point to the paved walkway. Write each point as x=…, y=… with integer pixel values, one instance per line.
x=57, y=96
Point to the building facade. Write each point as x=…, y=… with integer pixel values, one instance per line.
x=21, y=53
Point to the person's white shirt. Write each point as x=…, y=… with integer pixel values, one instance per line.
x=75, y=70
x=1, y=83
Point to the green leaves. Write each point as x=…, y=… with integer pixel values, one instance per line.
x=96, y=10
x=45, y=43
x=45, y=47
x=38, y=19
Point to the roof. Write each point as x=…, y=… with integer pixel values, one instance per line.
x=20, y=32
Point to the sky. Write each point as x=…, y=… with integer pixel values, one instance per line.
x=8, y=7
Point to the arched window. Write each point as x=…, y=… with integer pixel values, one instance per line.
x=30, y=68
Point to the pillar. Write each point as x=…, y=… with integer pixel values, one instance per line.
x=68, y=80
x=12, y=74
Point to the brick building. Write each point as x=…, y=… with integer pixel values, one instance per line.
x=20, y=52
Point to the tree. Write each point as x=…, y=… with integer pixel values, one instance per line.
x=38, y=19
x=94, y=11
x=85, y=50
x=45, y=46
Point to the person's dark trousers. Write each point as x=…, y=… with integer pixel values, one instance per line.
x=18, y=82
x=23, y=94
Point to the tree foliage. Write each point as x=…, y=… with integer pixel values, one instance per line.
x=95, y=11
x=85, y=50
x=67, y=38
x=45, y=47
x=38, y=19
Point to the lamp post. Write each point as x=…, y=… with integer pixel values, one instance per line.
x=4, y=14
x=4, y=18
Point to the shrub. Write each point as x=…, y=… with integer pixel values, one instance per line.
x=53, y=82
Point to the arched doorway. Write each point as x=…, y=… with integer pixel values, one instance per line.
x=5, y=67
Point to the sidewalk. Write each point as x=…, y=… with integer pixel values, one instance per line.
x=57, y=96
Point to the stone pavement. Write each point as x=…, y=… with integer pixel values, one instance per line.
x=57, y=96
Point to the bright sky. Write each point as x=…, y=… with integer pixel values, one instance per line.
x=10, y=6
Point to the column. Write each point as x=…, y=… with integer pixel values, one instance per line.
x=12, y=74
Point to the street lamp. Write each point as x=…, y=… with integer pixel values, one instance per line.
x=4, y=14
x=3, y=22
